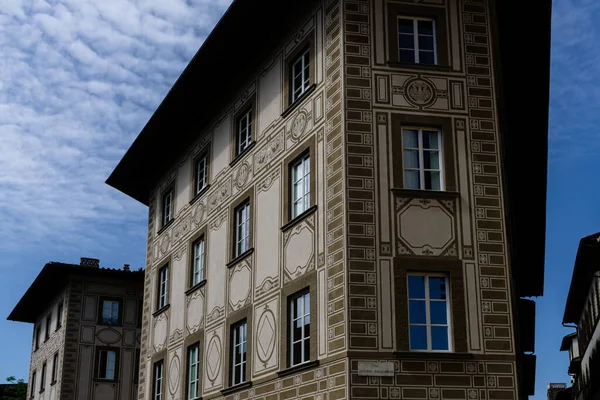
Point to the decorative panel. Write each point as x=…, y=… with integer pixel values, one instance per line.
x=299, y=249
x=159, y=336
x=89, y=308
x=299, y=124
x=266, y=346
x=216, y=275
x=240, y=283
x=174, y=373
x=84, y=371
x=87, y=334
x=213, y=360
x=129, y=312
x=195, y=311
x=108, y=336
x=129, y=337
x=105, y=391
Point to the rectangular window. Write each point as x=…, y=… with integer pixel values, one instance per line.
x=198, y=261
x=300, y=186
x=428, y=313
x=242, y=228
x=300, y=75
x=299, y=329
x=417, y=40
x=48, y=323
x=59, y=315
x=163, y=287
x=422, y=158
x=38, y=334
x=55, y=368
x=244, y=131
x=193, y=371
x=32, y=383
x=238, y=353
x=140, y=312
x=201, y=174
x=110, y=312
x=43, y=378
x=157, y=390
x=167, y=207
x=107, y=364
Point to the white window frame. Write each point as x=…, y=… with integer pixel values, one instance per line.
x=415, y=32
x=428, y=323
x=244, y=131
x=198, y=248
x=304, y=62
x=109, y=361
x=157, y=380
x=110, y=315
x=193, y=369
x=163, y=286
x=421, y=156
x=239, y=341
x=300, y=178
x=201, y=173
x=242, y=228
x=167, y=207
x=304, y=340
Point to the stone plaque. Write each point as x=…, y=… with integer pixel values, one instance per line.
x=367, y=368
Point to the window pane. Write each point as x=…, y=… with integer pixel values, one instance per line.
x=425, y=27
x=437, y=288
x=412, y=180
x=438, y=312
x=432, y=180
x=417, y=312
x=426, y=57
x=306, y=350
x=307, y=326
x=426, y=43
x=406, y=42
x=297, y=331
x=431, y=160
x=405, y=25
x=418, y=338
x=307, y=303
x=407, y=56
x=416, y=287
x=430, y=140
x=297, y=351
x=410, y=139
x=439, y=338
x=411, y=159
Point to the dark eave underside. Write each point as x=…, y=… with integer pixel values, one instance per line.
x=52, y=280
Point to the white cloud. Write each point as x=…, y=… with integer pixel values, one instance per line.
x=78, y=81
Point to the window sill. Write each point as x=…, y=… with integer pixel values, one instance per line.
x=299, y=218
x=435, y=194
x=165, y=226
x=299, y=100
x=53, y=383
x=242, y=154
x=298, y=368
x=42, y=391
x=236, y=388
x=57, y=329
x=161, y=310
x=200, y=193
x=434, y=355
x=429, y=67
x=195, y=287
x=240, y=257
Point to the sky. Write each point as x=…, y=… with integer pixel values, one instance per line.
x=80, y=78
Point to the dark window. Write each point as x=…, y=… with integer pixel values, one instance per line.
x=244, y=131
x=417, y=40
x=59, y=315
x=32, y=387
x=110, y=312
x=43, y=378
x=238, y=352
x=193, y=369
x=167, y=207
x=163, y=287
x=201, y=172
x=48, y=323
x=55, y=368
x=300, y=75
x=38, y=333
x=157, y=387
x=107, y=364
x=299, y=315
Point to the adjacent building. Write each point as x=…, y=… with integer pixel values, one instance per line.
x=86, y=331
x=557, y=391
x=583, y=312
x=347, y=201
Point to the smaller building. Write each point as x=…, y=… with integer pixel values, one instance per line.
x=583, y=311
x=555, y=389
x=86, y=332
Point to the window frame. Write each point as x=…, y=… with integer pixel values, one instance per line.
x=165, y=218
x=241, y=220
x=202, y=157
x=59, y=315
x=428, y=325
x=189, y=371
x=304, y=163
x=198, y=258
x=244, y=131
x=305, y=45
x=33, y=382
x=416, y=41
x=305, y=83
x=303, y=340
x=98, y=367
x=422, y=150
x=119, y=303
x=38, y=332
x=306, y=149
x=234, y=333
x=160, y=393
x=159, y=294
x=247, y=107
x=54, y=377
x=48, y=324
x=43, y=378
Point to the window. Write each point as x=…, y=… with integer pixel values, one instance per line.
x=242, y=228
x=48, y=323
x=107, y=364
x=59, y=315
x=244, y=131
x=55, y=368
x=140, y=312
x=110, y=312
x=157, y=390
x=167, y=207
x=201, y=179
x=163, y=287
x=417, y=40
x=38, y=333
x=428, y=313
x=422, y=158
x=300, y=329
x=300, y=186
x=193, y=371
x=32, y=389
x=43, y=378
x=300, y=75
x=198, y=261
x=238, y=353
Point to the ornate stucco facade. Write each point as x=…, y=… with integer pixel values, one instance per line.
x=364, y=233
x=65, y=304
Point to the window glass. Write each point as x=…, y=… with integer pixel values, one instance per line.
x=416, y=40
x=422, y=159
x=300, y=329
x=428, y=313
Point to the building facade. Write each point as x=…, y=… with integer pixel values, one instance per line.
x=87, y=328
x=583, y=311
x=330, y=211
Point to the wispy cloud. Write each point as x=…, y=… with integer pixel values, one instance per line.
x=575, y=95
x=78, y=80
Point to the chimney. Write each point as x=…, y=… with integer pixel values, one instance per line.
x=126, y=267
x=90, y=262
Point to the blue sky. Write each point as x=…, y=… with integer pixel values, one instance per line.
x=80, y=78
